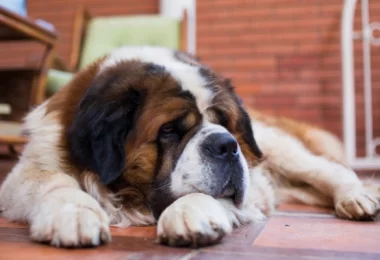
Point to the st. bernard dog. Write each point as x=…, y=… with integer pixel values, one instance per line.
x=149, y=135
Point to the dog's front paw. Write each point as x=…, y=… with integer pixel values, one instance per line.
x=81, y=223
x=193, y=220
x=355, y=204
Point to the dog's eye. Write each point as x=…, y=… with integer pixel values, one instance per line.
x=223, y=120
x=168, y=130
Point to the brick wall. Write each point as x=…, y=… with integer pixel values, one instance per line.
x=290, y=51
x=283, y=55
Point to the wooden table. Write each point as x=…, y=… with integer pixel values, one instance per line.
x=14, y=27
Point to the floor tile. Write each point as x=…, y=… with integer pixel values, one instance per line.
x=239, y=256
x=6, y=223
x=294, y=232
x=146, y=232
x=299, y=208
x=121, y=247
x=42, y=252
x=320, y=233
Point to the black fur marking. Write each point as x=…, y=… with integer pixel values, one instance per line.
x=187, y=58
x=187, y=95
x=154, y=68
x=207, y=74
x=101, y=124
x=161, y=197
x=244, y=123
x=223, y=119
x=210, y=77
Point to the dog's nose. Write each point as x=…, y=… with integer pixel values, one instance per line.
x=223, y=146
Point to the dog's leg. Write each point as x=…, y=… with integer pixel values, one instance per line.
x=193, y=220
x=289, y=158
x=350, y=199
x=58, y=211
x=198, y=219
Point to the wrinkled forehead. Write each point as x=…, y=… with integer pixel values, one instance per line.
x=189, y=76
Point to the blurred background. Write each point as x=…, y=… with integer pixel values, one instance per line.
x=284, y=56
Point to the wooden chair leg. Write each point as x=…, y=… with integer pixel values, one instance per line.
x=39, y=83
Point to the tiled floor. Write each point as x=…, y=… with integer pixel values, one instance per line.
x=294, y=232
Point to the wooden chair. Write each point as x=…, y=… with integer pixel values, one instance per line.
x=14, y=27
x=81, y=24
x=94, y=37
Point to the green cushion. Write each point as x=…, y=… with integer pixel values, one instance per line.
x=107, y=33
x=56, y=79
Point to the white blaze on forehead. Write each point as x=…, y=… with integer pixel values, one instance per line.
x=188, y=76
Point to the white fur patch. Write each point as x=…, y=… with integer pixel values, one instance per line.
x=191, y=163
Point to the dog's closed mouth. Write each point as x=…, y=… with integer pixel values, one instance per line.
x=235, y=194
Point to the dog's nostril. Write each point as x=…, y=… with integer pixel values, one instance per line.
x=223, y=145
x=228, y=147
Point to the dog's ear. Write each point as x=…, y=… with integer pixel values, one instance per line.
x=245, y=126
x=97, y=134
x=244, y=122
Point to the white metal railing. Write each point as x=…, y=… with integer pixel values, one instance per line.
x=371, y=159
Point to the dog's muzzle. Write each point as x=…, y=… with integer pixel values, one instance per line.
x=222, y=153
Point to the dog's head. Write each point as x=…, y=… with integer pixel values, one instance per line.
x=156, y=117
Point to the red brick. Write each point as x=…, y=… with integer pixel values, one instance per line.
x=295, y=62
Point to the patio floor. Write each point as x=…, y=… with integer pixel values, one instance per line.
x=294, y=232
